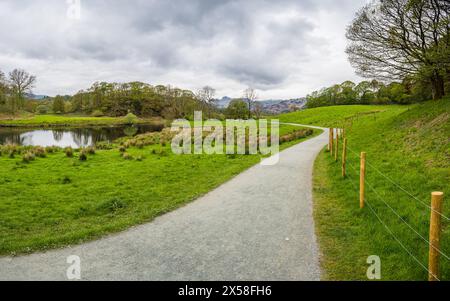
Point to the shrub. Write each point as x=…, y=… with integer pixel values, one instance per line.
x=28, y=157
x=69, y=152
x=97, y=113
x=130, y=118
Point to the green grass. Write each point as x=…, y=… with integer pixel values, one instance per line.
x=411, y=146
x=334, y=116
x=55, y=201
x=64, y=120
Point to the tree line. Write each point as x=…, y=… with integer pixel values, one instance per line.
x=369, y=92
x=119, y=99
x=404, y=45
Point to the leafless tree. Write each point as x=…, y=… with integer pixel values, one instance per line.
x=395, y=39
x=21, y=82
x=206, y=96
x=258, y=109
x=250, y=97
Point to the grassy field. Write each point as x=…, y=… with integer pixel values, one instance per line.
x=410, y=146
x=57, y=200
x=66, y=120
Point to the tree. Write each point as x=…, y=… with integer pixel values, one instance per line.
x=58, y=105
x=394, y=39
x=21, y=82
x=250, y=97
x=3, y=89
x=206, y=96
x=237, y=109
x=258, y=109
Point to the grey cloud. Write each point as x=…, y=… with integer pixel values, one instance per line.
x=251, y=42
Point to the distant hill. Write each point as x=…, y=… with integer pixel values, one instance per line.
x=36, y=97
x=270, y=106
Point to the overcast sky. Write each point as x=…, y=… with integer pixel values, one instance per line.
x=283, y=48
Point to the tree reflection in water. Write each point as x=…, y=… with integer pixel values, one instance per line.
x=77, y=137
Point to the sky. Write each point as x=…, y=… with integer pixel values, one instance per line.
x=283, y=49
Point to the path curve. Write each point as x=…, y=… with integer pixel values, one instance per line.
x=257, y=226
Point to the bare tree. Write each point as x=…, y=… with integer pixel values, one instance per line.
x=258, y=109
x=395, y=39
x=206, y=96
x=250, y=97
x=21, y=82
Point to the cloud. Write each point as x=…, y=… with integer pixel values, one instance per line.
x=283, y=48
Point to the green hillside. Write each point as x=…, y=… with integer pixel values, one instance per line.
x=408, y=155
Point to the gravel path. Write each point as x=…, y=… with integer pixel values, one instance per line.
x=258, y=226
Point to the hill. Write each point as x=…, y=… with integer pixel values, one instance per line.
x=271, y=106
x=408, y=155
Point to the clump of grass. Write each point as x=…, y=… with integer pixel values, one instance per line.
x=28, y=157
x=66, y=180
x=90, y=150
x=104, y=145
x=127, y=156
x=83, y=155
x=140, y=158
x=69, y=152
x=122, y=149
x=39, y=152
x=112, y=205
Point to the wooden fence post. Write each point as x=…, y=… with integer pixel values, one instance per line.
x=336, y=153
x=331, y=140
x=362, y=180
x=344, y=157
x=437, y=199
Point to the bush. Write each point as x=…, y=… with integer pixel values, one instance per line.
x=97, y=113
x=69, y=152
x=42, y=109
x=130, y=118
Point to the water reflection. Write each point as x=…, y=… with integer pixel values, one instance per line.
x=76, y=138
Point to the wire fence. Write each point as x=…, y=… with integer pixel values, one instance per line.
x=356, y=172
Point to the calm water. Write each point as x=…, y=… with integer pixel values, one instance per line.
x=74, y=137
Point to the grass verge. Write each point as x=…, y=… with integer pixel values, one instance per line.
x=411, y=147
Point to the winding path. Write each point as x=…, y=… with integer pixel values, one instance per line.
x=257, y=226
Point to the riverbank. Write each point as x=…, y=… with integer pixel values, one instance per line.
x=43, y=121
